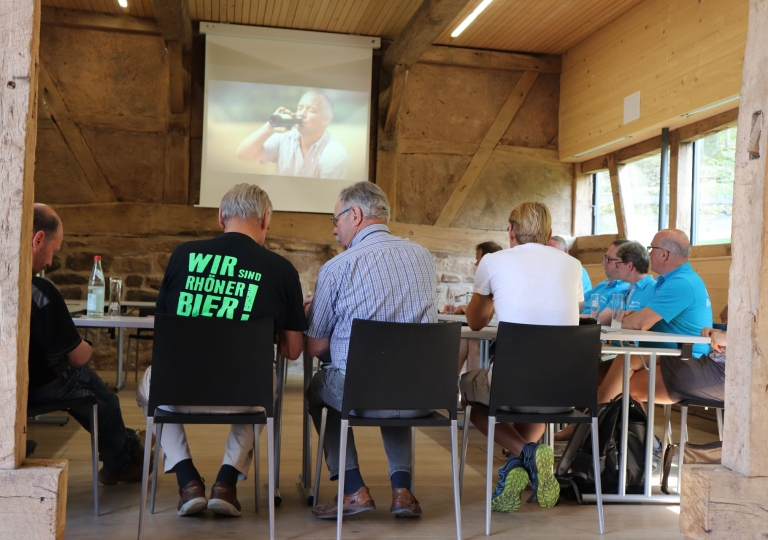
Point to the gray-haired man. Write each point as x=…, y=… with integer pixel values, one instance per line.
x=231, y=276
x=379, y=277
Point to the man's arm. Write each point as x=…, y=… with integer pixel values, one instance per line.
x=290, y=343
x=250, y=148
x=80, y=355
x=641, y=320
x=479, y=311
x=318, y=346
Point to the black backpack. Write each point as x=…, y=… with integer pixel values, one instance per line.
x=575, y=471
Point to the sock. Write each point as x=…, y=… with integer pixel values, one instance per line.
x=185, y=472
x=400, y=479
x=353, y=481
x=228, y=475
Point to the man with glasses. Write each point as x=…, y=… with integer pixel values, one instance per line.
x=679, y=305
x=612, y=285
x=633, y=267
x=378, y=277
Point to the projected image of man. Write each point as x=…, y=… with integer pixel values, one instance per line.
x=299, y=143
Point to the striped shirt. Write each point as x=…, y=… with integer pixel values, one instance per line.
x=380, y=277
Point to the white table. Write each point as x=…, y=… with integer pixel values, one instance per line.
x=121, y=323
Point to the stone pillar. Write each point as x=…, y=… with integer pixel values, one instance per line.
x=729, y=501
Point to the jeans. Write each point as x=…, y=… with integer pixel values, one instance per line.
x=327, y=390
x=117, y=444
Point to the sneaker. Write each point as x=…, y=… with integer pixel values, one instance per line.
x=223, y=500
x=513, y=479
x=192, y=498
x=538, y=460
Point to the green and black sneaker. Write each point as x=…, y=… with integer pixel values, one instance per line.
x=513, y=479
x=538, y=460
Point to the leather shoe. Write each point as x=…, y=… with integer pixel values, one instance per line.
x=356, y=503
x=129, y=476
x=404, y=504
x=192, y=498
x=224, y=500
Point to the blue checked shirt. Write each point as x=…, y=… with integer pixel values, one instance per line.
x=380, y=277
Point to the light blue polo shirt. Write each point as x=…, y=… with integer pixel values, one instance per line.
x=605, y=289
x=639, y=294
x=681, y=299
x=586, y=283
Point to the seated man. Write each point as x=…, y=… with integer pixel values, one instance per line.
x=612, y=285
x=481, y=250
x=632, y=268
x=504, y=282
x=273, y=291
x=379, y=277
x=58, y=361
x=680, y=305
x=558, y=242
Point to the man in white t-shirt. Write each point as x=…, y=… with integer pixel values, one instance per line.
x=510, y=282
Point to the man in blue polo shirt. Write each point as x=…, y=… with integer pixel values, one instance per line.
x=609, y=287
x=679, y=305
x=633, y=267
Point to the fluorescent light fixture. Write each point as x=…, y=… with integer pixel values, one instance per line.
x=122, y=3
x=471, y=17
x=711, y=106
x=596, y=148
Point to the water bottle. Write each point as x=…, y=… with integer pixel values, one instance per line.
x=95, y=308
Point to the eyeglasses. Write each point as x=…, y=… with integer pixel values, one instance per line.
x=610, y=260
x=651, y=248
x=335, y=219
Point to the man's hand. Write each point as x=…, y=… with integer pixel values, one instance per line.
x=479, y=311
x=641, y=320
x=718, y=337
x=281, y=110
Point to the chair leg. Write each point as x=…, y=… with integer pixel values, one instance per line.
x=455, y=473
x=256, y=462
x=667, y=437
x=342, y=473
x=127, y=365
x=413, y=461
x=136, y=375
x=489, y=474
x=464, y=439
x=681, y=449
x=719, y=413
x=596, y=465
x=95, y=456
x=154, y=466
x=145, y=478
x=319, y=462
x=271, y=475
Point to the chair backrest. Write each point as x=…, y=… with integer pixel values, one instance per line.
x=147, y=311
x=545, y=366
x=207, y=361
x=402, y=366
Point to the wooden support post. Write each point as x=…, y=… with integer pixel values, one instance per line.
x=717, y=503
x=174, y=21
x=19, y=45
x=386, y=164
x=177, y=163
x=483, y=154
x=581, y=202
x=618, y=196
x=394, y=97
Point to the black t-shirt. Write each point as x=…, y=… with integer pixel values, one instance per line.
x=52, y=334
x=232, y=276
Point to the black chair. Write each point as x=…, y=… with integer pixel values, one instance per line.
x=403, y=367
x=540, y=366
x=142, y=334
x=209, y=362
x=34, y=410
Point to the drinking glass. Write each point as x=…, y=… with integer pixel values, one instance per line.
x=617, y=306
x=115, y=293
x=594, y=306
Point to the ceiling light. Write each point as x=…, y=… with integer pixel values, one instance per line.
x=711, y=106
x=596, y=148
x=122, y=3
x=471, y=17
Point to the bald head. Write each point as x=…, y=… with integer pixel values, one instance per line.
x=45, y=219
x=47, y=234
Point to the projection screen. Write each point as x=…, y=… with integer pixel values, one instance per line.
x=288, y=110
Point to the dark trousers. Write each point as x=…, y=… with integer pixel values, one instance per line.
x=117, y=445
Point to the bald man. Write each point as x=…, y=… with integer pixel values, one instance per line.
x=305, y=150
x=679, y=305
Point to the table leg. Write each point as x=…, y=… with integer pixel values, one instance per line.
x=649, y=431
x=306, y=455
x=624, y=426
x=120, y=383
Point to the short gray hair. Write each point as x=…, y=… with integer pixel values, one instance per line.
x=560, y=242
x=245, y=201
x=635, y=253
x=369, y=197
x=675, y=247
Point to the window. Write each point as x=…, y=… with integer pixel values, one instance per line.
x=640, y=184
x=713, y=171
x=603, y=216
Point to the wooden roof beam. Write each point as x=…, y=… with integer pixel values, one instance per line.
x=174, y=21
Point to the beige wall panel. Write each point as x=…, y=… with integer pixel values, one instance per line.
x=450, y=103
x=535, y=124
x=425, y=183
x=58, y=176
x=130, y=162
x=512, y=177
x=107, y=73
x=680, y=55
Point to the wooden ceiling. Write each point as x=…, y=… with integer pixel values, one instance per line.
x=535, y=26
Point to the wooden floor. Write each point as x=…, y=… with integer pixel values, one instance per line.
x=120, y=504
